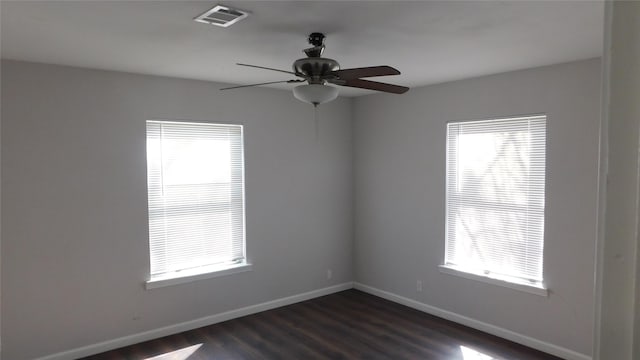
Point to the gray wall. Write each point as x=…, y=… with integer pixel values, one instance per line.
x=74, y=249
x=399, y=158
x=74, y=235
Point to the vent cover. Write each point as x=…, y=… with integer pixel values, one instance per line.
x=221, y=15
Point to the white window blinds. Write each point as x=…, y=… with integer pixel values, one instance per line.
x=495, y=197
x=196, y=195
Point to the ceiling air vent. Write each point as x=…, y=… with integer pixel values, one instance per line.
x=221, y=15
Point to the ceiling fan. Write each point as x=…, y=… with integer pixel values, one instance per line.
x=318, y=72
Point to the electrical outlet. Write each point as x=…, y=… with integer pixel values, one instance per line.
x=329, y=274
x=419, y=286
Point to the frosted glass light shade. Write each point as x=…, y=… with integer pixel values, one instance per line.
x=315, y=94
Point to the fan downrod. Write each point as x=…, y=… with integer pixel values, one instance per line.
x=316, y=39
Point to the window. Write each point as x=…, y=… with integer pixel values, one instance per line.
x=495, y=198
x=196, y=199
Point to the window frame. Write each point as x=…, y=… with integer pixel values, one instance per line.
x=206, y=271
x=514, y=282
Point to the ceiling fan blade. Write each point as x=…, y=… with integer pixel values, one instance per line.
x=374, y=85
x=370, y=71
x=267, y=68
x=264, y=83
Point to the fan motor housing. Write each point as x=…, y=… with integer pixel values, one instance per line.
x=316, y=69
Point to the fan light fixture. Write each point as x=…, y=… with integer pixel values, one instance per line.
x=315, y=94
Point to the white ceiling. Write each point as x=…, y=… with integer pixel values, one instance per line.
x=428, y=41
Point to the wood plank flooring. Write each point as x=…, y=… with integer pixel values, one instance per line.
x=345, y=325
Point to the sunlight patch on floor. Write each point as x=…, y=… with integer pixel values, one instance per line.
x=470, y=354
x=181, y=354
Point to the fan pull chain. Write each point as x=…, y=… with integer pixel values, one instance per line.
x=316, y=121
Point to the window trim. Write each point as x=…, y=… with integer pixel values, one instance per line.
x=190, y=275
x=213, y=270
x=532, y=287
x=504, y=281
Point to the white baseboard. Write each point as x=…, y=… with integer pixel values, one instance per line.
x=216, y=318
x=476, y=324
x=192, y=324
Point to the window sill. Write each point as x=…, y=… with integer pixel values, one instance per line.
x=186, y=276
x=516, y=285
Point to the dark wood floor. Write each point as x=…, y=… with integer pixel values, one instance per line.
x=346, y=325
